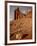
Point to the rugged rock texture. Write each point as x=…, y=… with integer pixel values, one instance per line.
x=21, y=27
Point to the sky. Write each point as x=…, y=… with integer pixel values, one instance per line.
x=23, y=9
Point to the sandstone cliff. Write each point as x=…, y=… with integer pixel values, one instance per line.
x=21, y=27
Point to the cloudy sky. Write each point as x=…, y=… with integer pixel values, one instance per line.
x=23, y=9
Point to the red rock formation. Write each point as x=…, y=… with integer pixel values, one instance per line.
x=29, y=14
x=18, y=14
x=21, y=27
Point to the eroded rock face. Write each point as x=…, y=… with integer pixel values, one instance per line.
x=23, y=25
x=21, y=28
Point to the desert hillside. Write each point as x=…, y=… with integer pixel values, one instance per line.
x=21, y=26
